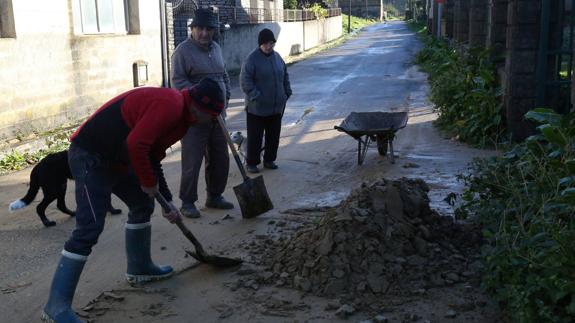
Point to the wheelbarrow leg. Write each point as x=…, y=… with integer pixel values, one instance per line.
x=391, y=150
x=359, y=159
x=362, y=151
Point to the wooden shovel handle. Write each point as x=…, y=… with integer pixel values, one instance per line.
x=232, y=148
x=167, y=207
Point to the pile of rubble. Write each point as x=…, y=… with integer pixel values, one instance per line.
x=383, y=238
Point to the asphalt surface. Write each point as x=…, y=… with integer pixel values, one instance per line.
x=370, y=72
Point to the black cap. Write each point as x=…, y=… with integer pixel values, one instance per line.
x=205, y=17
x=265, y=36
x=207, y=95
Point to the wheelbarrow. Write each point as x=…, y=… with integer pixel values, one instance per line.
x=379, y=127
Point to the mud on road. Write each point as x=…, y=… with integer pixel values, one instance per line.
x=318, y=170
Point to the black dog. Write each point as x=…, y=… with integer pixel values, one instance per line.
x=51, y=174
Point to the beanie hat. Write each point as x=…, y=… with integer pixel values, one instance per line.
x=205, y=17
x=265, y=36
x=207, y=96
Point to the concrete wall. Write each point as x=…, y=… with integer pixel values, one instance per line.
x=292, y=38
x=49, y=75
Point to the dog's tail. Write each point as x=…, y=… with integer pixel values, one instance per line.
x=30, y=195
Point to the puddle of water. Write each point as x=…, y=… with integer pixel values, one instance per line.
x=325, y=199
x=425, y=157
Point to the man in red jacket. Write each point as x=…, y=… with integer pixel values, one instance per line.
x=118, y=150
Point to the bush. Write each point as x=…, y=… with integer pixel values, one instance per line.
x=290, y=4
x=464, y=91
x=525, y=200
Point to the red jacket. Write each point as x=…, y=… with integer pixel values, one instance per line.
x=137, y=127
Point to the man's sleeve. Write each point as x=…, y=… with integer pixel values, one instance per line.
x=180, y=71
x=247, y=80
x=287, y=84
x=162, y=184
x=228, y=86
x=145, y=133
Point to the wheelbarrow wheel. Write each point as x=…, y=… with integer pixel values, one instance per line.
x=382, y=143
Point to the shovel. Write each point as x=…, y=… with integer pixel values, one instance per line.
x=251, y=194
x=200, y=254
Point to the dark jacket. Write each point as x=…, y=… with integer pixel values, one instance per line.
x=139, y=124
x=265, y=82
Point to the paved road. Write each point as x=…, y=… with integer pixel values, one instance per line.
x=369, y=72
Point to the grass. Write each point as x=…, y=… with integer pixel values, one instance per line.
x=356, y=23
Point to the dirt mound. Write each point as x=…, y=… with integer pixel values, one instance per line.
x=383, y=238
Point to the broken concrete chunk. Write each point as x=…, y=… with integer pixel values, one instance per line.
x=345, y=311
x=380, y=319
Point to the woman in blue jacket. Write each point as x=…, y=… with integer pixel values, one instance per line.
x=265, y=81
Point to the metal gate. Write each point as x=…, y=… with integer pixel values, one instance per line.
x=555, y=55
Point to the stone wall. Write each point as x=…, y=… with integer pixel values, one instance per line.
x=461, y=21
x=477, y=23
x=497, y=29
x=50, y=76
x=292, y=38
x=520, y=64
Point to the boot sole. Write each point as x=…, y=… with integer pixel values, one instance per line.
x=140, y=279
x=47, y=319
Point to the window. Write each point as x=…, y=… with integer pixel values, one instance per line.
x=105, y=16
x=7, y=26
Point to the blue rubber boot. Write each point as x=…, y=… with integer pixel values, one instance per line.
x=141, y=269
x=58, y=309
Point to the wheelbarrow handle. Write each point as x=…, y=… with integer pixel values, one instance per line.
x=168, y=207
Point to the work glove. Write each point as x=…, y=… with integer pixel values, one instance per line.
x=150, y=190
x=172, y=215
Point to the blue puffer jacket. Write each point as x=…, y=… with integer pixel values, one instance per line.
x=265, y=82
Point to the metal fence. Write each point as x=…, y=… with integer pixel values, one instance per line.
x=240, y=15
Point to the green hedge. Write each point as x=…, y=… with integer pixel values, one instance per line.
x=525, y=200
x=464, y=91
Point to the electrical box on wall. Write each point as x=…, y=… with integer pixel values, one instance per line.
x=140, y=73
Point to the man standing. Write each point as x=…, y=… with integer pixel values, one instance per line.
x=196, y=58
x=118, y=150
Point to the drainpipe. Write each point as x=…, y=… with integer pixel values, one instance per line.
x=164, y=44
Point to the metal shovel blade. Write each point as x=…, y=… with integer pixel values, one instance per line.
x=200, y=254
x=215, y=260
x=253, y=197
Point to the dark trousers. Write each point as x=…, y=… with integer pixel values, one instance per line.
x=258, y=127
x=204, y=140
x=95, y=181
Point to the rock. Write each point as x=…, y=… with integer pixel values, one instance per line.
x=451, y=314
x=467, y=274
x=345, y=311
x=332, y=305
x=284, y=275
x=325, y=245
x=335, y=287
x=302, y=283
x=338, y=273
x=420, y=245
x=245, y=271
x=452, y=276
x=271, y=222
x=400, y=260
x=380, y=319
